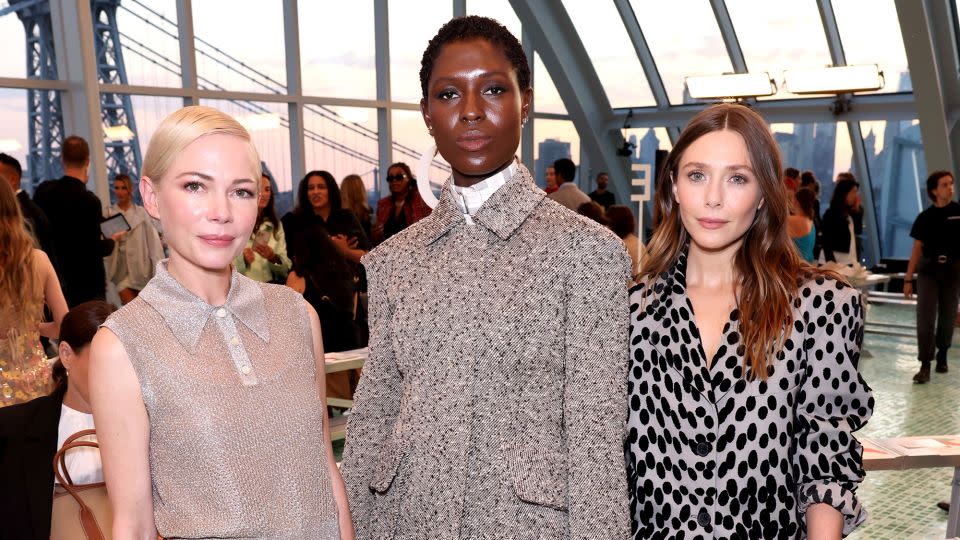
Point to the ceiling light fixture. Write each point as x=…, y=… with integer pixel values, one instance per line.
x=834, y=80
x=731, y=86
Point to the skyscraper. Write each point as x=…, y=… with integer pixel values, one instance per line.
x=549, y=151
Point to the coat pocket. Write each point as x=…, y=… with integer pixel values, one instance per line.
x=391, y=455
x=538, y=475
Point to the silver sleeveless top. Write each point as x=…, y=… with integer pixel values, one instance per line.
x=236, y=442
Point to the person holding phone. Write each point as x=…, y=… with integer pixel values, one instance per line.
x=265, y=256
x=135, y=254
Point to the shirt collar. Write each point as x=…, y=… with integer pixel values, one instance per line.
x=186, y=314
x=505, y=209
x=471, y=198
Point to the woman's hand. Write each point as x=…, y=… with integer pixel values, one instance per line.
x=296, y=282
x=248, y=256
x=908, y=289
x=265, y=251
x=344, y=245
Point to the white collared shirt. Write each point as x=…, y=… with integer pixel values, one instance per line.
x=471, y=198
x=83, y=463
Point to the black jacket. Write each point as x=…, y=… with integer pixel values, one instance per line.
x=836, y=232
x=28, y=442
x=75, y=215
x=39, y=224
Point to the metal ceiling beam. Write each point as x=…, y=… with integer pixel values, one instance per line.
x=291, y=33
x=865, y=108
x=859, y=154
x=931, y=50
x=573, y=74
x=729, y=35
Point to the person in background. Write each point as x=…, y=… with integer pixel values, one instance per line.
x=403, y=207
x=743, y=381
x=264, y=258
x=567, y=193
x=207, y=389
x=32, y=432
x=601, y=196
x=551, y=179
x=801, y=225
x=624, y=224
x=791, y=178
x=354, y=195
x=840, y=223
x=27, y=282
x=35, y=218
x=75, y=214
x=464, y=424
x=593, y=211
x=935, y=261
x=809, y=181
x=131, y=264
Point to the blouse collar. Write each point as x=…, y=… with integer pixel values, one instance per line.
x=186, y=314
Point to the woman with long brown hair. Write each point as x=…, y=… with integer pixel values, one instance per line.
x=27, y=282
x=744, y=387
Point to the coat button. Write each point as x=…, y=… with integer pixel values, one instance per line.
x=703, y=449
x=245, y=370
x=221, y=313
x=703, y=518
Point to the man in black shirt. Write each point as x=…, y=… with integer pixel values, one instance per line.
x=75, y=215
x=34, y=217
x=601, y=196
x=936, y=261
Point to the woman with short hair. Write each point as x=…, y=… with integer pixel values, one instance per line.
x=135, y=254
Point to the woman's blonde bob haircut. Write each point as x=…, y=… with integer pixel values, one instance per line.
x=186, y=125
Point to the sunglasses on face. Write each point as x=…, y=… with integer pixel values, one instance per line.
x=396, y=177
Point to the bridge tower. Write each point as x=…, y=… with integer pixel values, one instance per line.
x=44, y=107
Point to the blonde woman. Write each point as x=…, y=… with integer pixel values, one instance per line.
x=209, y=409
x=27, y=281
x=135, y=254
x=354, y=197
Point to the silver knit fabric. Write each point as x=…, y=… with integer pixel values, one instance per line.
x=494, y=402
x=236, y=441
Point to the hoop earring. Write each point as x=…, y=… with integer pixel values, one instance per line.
x=523, y=122
x=423, y=176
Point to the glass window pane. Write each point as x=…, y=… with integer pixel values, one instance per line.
x=246, y=55
x=342, y=140
x=614, y=58
x=646, y=142
x=340, y=60
x=501, y=10
x=13, y=40
x=554, y=139
x=272, y=141
x=879, y=42
x=546, y=98
x=898, y=173
x=36, y=146
x=410, y=140
x=149, y=42
x=412, y=24
x=776, y=36
x=700, y=52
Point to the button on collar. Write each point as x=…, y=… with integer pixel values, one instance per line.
x=221, y=313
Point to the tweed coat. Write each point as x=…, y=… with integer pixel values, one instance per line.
x=716, y=453
x=494, y=401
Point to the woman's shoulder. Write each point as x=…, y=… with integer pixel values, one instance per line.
x=826, y=293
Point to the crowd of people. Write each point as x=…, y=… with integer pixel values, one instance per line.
x=667, y=372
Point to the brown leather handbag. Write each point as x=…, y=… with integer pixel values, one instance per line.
x=79, y=511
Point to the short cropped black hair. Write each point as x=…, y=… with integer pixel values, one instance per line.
x=469, y=28
x=565, y=169
x=934, y=180
x=11, y=161
x=790, y=172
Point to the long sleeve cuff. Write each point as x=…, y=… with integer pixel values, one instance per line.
x=837, y=496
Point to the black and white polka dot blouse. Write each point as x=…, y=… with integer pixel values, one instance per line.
x=713, y=454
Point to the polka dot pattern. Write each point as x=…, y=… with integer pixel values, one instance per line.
x=712, y=453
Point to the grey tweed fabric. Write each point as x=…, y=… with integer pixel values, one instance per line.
x=494, y=402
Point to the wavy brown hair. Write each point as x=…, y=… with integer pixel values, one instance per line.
x=19, y=286
x=769, y=269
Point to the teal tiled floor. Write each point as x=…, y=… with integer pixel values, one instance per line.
x=902, y=504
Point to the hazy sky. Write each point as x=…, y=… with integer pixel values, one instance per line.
x=337, y=58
